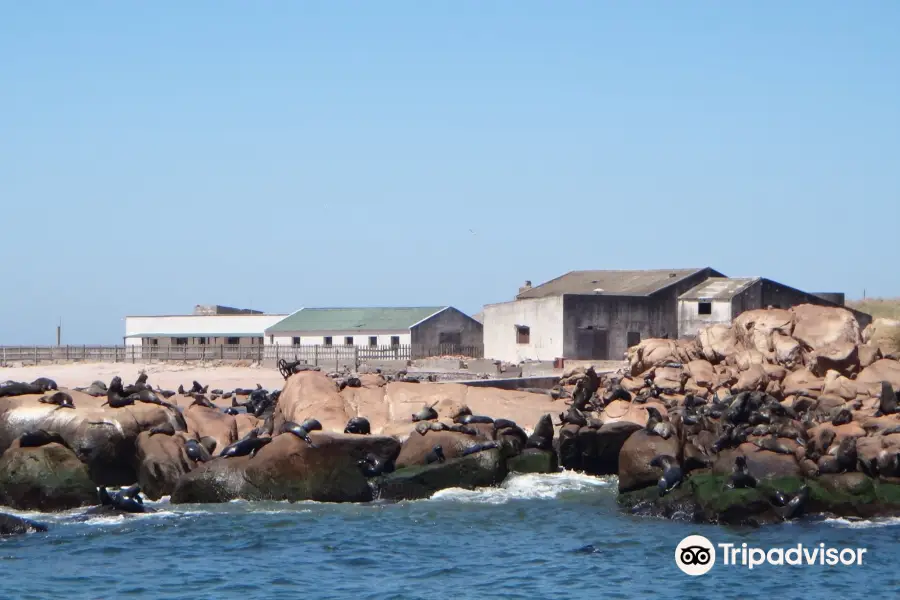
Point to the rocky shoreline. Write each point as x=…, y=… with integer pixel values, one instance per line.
x=784, y=413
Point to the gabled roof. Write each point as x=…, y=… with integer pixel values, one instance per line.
x=613, y=283
x=719, y=288
x=324, y=320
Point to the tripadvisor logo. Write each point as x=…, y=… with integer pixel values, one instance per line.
x=696, y=555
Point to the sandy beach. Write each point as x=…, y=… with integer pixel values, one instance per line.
x=166, y=376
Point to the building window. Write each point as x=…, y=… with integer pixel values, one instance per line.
x=181, y=341
x=348, y=340
x=395, y=341
x=704, y=308
x=271, y=339
x=450, y=337
x=523, y=334
x=295, y=341
x=151, y=341
x=373, y=341
x=259, y=340
x=326, y=340
x=233, y=341
x=633, y=338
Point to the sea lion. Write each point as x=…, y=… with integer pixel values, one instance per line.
x=797, y=505
x=247, y=446
x=464, y=429
x=480, y=448
x=115, y=395
x=209, y=442
x=15, y=388
x=311, y=425
x=846, y=454
x=573, y=416
x=426, y=414
x=128, y=500
x=422, y=427
x=472, y=420
x=617, y=393
x=165, y=393
x=887, y=403
x=773, y=445
x=358, y=425
x=45, y=384
x=197, y=388
x=60, y=399
x=299, y=431
x=740, y=475
x=40, y=437
x=148, y=397
x=373, y=466
x=436, y=455
x=196, y=452
x=201, y=400
x=888, y=463
x=672, y=474
x=165, y=429
x=503, y=423
x=181, y=389
x=231, y=411
x=656, y=425
x=843, y=417
x=96, y=389
x=542, y=438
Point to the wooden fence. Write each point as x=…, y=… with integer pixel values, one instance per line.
x=314, y=355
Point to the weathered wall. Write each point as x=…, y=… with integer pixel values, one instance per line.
x=192, y=341
x=616, y=315
x=427, y=333
x=191, y=326
x=781, y=296
x=690, y=321
x=544, y=316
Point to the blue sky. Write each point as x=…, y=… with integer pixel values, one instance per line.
x=275, y=155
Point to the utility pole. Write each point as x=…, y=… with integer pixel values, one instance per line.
x=59, y=332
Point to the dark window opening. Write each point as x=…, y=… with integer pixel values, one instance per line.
x=373, y=341
x=327, y=340
x=233, y=341
x=395, y=341
x=181, y=341
x=523, y=334
x=450, y=338
x=295, y=341
x=151, y=341
x=633, y=338
x=201, y=341
x=348, y=340
x=704, y=308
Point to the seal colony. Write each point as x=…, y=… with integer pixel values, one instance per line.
x=783, y=414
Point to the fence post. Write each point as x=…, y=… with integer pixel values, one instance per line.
x=316, y=355
x=355, y=357
x=35, y=355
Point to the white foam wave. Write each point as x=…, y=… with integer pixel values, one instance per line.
x=526, y=487
x=864, y=523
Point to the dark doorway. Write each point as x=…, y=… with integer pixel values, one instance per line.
x=633, y=338
x=592, y=344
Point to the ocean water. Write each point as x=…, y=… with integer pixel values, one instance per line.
x=538, y=536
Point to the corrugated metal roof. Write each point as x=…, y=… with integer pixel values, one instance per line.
x=195, y=335
x=719, y=288
x=353, y=319
x=615, y=283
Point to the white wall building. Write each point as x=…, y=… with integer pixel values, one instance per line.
x=219, y=326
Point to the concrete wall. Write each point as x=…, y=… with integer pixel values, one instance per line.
x=427, y=333
x=615, y=315
x=782, y=296
x=213, y=326
x=337, y=338
x=544, y=317
x=690, y=321
x=193, y=341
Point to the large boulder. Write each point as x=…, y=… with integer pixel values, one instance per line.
x=702, y=372
x=417, y=446
x=620, y=410
x=754, y=328
x=481, y=469
x=312, y=394
x=289, y=469
x=533, y=460
x=803, y=383
x=884, y=334
x=46, y=478
x=762, y=464
x=638, y=450
x=209, y=422
x=160, y=461
x=102, y=437
x=670, y=380
x=717, y=342
x=842, y=357
x=787, y=350
x=599, y=448
x=820, y=326
x=881, y=370
x=651, y=353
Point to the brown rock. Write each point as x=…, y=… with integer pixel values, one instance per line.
x=788, y=351
x=762, y=464
x=881, y=370
x=718, y=342
x=638, y=450
x=884, y=334
x=752, y=379
x=160, y=460
x=203, y=422
x=838, y=385
x=416, y=447
x=619, y=410
x=842, y=357
x=820, y=326
x=754, y=328
x=868, y=354
x=702, y=372
x=803, y=383
x=670, y=380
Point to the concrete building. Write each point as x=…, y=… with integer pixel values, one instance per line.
x=720, y=300
x=600, y=314
x=428, y=327
x=209, y=325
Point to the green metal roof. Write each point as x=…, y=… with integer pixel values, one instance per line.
x=353, y=319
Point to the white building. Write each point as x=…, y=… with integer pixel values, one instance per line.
x=207, y=326
x=373, y=327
